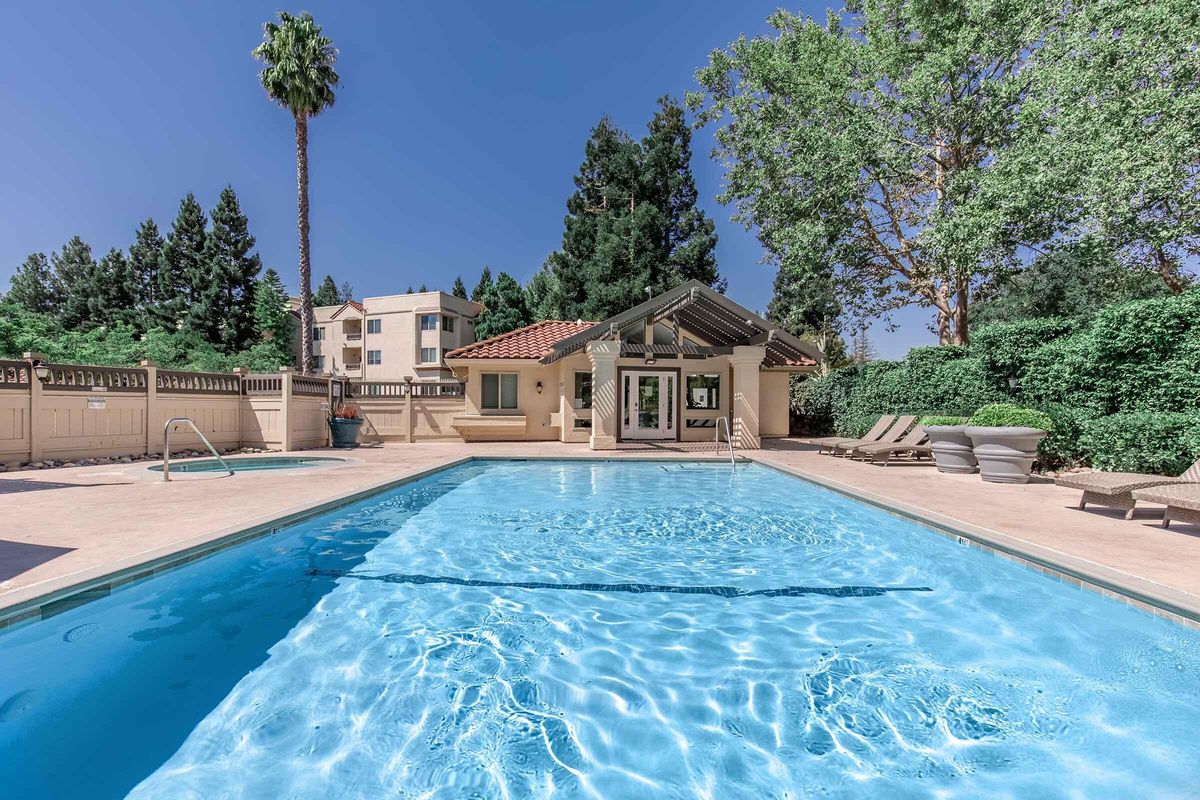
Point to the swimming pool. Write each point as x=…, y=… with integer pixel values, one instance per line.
x=249, y=464
x=600, y=629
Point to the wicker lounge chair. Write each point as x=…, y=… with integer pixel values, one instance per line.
x=1181, y=499
x=913, y=443
x=890, y=436
x=1116, y=489
x=881, y=425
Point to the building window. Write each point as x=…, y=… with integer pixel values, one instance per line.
x=374, y=357
x=704, y=392
x=318, y=333
x=374, y=325
x=499, y=390
x=701, y=423
x=320, y=362
x=448, y=324
x=583, y=390
x=429, y=355
x=429, y=322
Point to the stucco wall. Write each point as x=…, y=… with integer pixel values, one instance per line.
x=774, y=403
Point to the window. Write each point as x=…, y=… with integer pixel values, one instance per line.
x=429, y=322
x=701, y=423
x=704, y=392
x=448, y=324
x=318, y=333
x=374, y=356
x=499, y=390
x=374, y=325
x=320, y=362
x=583, y=390
x=429, y=355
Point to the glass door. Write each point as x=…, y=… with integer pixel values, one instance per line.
x=649, y=405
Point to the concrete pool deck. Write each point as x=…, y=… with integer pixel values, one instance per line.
x=65, y=530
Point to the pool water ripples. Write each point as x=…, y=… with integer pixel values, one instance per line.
x=617, y=630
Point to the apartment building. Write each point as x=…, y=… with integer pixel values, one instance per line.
x=392, y=337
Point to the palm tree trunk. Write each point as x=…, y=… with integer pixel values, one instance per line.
x=306, y=308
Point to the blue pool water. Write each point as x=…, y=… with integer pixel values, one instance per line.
x=616, y=630
x=249, y=464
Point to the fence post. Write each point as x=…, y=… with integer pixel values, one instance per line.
x=151, y=401
x=285, y=403
x=409, y=422
x=243, y=403
x=328, y=408
x=35, y=406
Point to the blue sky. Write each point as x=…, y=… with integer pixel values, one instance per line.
x=452, y=145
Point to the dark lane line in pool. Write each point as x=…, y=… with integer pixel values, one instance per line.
x=630, y=588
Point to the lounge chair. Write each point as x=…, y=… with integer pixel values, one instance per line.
x=890, y=436
x=913, y=443
x=1116, y=489
x=881, y=425
x=1181, y=499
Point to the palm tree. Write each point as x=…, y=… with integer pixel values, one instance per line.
x=298, y=74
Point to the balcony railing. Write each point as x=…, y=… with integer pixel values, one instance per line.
x=353, y=337
x=352, y=367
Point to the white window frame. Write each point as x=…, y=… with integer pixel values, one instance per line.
x=499, y=377
x=377, y=355
x=433, y=326
x=376, y=323
x=425, y=360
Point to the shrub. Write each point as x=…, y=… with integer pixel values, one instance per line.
x=941, y=419
x=1064, y=446
x=1007, y=415
x=1004, y=349
x=1156, y=443
x=1064, y=372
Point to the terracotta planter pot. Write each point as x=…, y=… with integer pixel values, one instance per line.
x=345, y=431
x=1005, y=454
x=952, y=449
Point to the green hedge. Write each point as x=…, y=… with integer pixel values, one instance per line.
x=1008, y=415
x=1156, y=443
x=1004, y=349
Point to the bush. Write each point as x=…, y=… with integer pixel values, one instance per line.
x=1155, y=443
x=1004, y=349
x=1007, y=415
x=1063, y=447
x=941, y=419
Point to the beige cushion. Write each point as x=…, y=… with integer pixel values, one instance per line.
x=1112, y=482
x=1179, y=495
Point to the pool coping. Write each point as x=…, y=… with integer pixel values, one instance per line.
x=46, y=598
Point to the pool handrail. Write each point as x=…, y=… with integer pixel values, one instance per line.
x=167, y=446
x=728, y=437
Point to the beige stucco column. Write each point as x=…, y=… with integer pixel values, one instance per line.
x=35, y=425
x=745, y=362
x=152, y=416
x=285, y=408
x=605, y=416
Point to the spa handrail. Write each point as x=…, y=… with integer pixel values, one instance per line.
x=728, y=437
x=167, y=446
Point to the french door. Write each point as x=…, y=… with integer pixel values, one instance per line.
x=648, y=405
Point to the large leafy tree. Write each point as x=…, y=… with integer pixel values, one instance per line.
x=632, y=223
x=144, y=256
x=182, y=269
x=504, y=308
x=298, y=73
x=74, y=273
x=232, y=272
x=860, y=143
x=33, y=286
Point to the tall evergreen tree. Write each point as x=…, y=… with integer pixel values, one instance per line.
x=632, y=223
x=345, y=292
x=504, y=308
x=327, y=293
x=112, y=297
x=271, y=318
x=144, y=256
x=227, y=309
x=460, y=288
x=181, y=264
x=74, y=269
x=33, y=286
x=543, y=295
x=485, y=281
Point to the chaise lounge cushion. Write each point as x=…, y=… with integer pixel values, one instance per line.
x=1113, y=483
x=1175, y=495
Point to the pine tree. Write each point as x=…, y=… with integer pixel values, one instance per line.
x=327, y=293
x=33, y=286
x=112, y=298
x=423, y=288
x=181, y=262
x=864, y=350
x=271, y=318
x=543, y=294
x=460, y=288
x=345, y=292
x=144, y=256
x=485, y=281
x=225, y=309
x=74, y=269
x=504, y=308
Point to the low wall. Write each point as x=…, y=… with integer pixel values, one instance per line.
x=394, y=414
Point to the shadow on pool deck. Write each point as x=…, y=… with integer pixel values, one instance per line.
x=18, y=557
x=19, y=485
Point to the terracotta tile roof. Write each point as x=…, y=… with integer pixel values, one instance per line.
x=532, y=341
x=357, y=305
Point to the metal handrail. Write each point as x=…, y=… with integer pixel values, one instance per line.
x=728, y=437
x=167, y=445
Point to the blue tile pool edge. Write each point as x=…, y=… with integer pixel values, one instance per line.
x=54, y=601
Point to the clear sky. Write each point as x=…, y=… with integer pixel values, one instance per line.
x=457, y=130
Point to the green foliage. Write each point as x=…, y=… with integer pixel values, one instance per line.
x=298, y=71
x=504, y=308
x=144, y=256
x=1155, y=443
x=327, y=293
x=632, y=223
x=226, y=303
x=941, y=419
x=33, y=286
x=74, y=273
x=1064, y=446
x=1008, y=415
x=182, y=269
x=1004, y=349
x=481, y=288
x=542, y=293
x=460, y=288
x=271, y=317
x=113, y=297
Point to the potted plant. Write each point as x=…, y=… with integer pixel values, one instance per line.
x=1006, y=439
x=345, y=424
x=952, y=448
